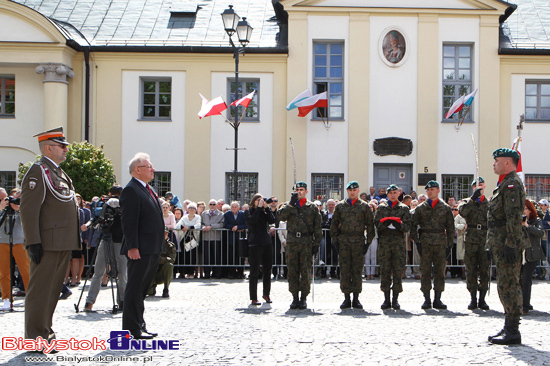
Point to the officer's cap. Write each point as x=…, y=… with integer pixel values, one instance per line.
x=481, y=180
x=55, y=135
x=505, y=153
x=432, y=184
x=301, y=185
x=353, y=184
x=392, y=187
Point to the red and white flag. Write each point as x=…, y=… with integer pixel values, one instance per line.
x=456, y=107
x=245, y=101
x=519, y=169
x=307, y=105
x=213, y=107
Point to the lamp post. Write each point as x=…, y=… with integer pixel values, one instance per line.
x=232, y=25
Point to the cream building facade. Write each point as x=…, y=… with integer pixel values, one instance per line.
x=444, y=48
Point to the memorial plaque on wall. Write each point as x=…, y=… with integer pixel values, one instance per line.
x=424, y=178
x=393, y=146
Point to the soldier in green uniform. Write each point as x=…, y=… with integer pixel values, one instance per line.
x=392, y=221
x=474, y=211
x=303, y=224
x=350, y=220
x=504, y=239
x=435, y=237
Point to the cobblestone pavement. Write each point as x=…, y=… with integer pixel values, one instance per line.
x=215, y=325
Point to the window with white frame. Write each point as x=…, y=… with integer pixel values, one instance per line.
x=156, y=99
x=245, y=87
x=162, y=183
x=537, y=186
x=457, y=186
x=457, y=78
x=247, y=186
x=7, y=96
x=537, y=100
x=328, y=75
x=325, y=186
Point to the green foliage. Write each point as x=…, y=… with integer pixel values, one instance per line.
x=91, y=172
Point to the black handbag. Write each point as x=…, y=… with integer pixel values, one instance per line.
x=534, y=253
x=243, y=247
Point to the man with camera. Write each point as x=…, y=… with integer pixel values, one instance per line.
x=109, y=247
x=49, y=214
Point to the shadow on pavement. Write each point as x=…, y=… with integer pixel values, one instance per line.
x=443, y=313
x=355, y=313
x=397, y=313
x=301, y=313
x=528, y=354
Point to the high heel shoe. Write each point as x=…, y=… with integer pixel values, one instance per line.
x=267, y=299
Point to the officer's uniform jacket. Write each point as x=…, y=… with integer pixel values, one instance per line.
x=437, y=224
x=505, y=212
x=386, y=234
x=297, y=231
x=475, y=214
x=49, y=209
x=350, y=222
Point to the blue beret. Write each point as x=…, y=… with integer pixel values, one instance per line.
x=301, y=185
x=392, y=187
x=432, y=184
x=481, y=180
x=505, y=153
x=353, y=184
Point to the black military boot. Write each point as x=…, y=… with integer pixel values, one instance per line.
x=501, y=332
x=511, y=333
x=303, y=303
x=482, y=304
x=437, y=304
x=355, y=303
x=394, y=304
x=387, y=303
x=347, y=302
x=473, y=303
x=295, y=302
x=427, y=301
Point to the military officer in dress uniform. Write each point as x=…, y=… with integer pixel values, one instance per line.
x=504, y=239
x=437, y=227
x=49, y=214
x=350, y=220
x=474, y=211
x=303, y=224
x=392, y=221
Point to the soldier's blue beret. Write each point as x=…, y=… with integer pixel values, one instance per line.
x=432, y=184
x=353, y=184
x=481, y=180
x=505, y=153
x=301, y=185
x=392, y=187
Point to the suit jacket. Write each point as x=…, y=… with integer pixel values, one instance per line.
x=49, y=210
x=215, y=221
x=229, y=222
x=141, y=219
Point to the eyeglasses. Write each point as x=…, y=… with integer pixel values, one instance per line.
x=145, y=166
x=275, y=201
x=63, y=147
x=211, y=204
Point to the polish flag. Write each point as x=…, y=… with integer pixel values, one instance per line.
x=316, y=101
x=213, y=107
x=456, y=107
x=244, y=101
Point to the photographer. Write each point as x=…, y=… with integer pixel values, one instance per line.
x=8, y=206
x=109, y=222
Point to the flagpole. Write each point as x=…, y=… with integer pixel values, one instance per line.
x=477, y=160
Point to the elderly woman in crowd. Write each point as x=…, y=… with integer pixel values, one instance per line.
x=532, y=234
x=190, y=226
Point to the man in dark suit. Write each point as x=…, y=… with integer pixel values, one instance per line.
x=235, y=222
x=49, y=214
x=143, y=229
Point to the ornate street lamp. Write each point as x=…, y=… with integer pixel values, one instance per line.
x=232, y=24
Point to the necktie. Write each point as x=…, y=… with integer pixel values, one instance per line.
x=151, y=191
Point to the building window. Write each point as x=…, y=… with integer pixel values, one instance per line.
x=156, y=99
x=7, y=181
x=457, y=186
x=537, y=101
x=162, y=183
x=7, y=96
x=537, y=186
x=328, y=75
x=457, y=78
x=247, y=186
x=327, y=186
x=252, y=113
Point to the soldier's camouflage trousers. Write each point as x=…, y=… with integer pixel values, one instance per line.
x=509, y=287
x=477, y=266
x=299, y=261
x=351, y=260
x=391, y=258
x=436, y=255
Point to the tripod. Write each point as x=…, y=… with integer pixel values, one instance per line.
x=111, y=268
x=9, y=213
